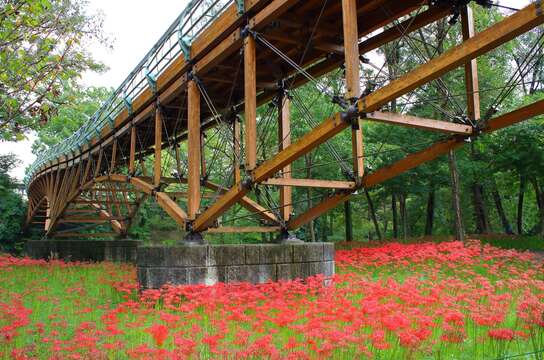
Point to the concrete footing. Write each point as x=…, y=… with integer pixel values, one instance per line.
x=209, y=264
x=84, y=250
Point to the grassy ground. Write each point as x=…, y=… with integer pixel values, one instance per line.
x=441, y=300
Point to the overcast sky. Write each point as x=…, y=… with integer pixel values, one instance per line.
x=134, y=26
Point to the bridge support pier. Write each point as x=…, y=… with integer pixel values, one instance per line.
x=255, y=263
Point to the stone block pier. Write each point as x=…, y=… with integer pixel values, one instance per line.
x=209, y=264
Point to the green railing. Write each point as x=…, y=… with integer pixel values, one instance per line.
x=195, y=18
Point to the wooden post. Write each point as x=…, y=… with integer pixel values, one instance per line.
x=193, y=144
x=284, y=133
x=471, y=68
x=158, y=147
x=236, y=150
x=351, y=46
x=132, y=156
x=250, y=102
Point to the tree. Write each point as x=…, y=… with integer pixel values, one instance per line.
x=80, y=105
x=12, y=207
x=42, y=49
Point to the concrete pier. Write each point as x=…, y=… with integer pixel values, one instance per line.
x=255, y=263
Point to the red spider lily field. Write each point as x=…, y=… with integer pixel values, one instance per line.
x=395, y=301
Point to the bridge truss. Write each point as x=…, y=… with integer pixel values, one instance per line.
x=201, y=100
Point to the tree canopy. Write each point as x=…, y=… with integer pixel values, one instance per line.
x=42, y=50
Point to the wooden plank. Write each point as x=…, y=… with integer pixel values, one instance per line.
x=314, y=183
x=471, y=67
x=419, y=123
x=158, y=147
x=496, y=35
x=250, y=102
x=284, y=134
x=194, y=146
x=243, y=229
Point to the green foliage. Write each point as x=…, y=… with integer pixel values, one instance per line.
x=42, y=50
x=80, y=104
x=12, y=206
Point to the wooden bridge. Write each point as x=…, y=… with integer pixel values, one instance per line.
x=195, y=102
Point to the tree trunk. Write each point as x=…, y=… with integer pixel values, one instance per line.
x=456, y=197
x=540, y=203
x=500, y=210
x=349, y=224
x=308, y=160
x=323, y=222
x=395, y=216
x=521, y=195
x=372, y=211
x=480, y=212
x=385, y=219
x=403, y=216
x=430, y=213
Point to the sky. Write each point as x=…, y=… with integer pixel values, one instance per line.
x=134, y=26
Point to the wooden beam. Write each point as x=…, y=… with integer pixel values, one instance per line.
x=419, y=123
x=353, y=87
x=243, y=229
x=516, y=116
x=250, y=102
x=496, y=35
x=471, y=67
x=284, y=139
x=158, y=147
x=171, y=208
x=318, y=209
x=314, y=183
x=194, y=149
x=247, y=203
x=207, y=218
x=324, y=131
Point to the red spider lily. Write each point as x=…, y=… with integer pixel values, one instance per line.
x=501, y=334
x=159, y=333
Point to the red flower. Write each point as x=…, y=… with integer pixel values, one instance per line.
x=501, y=334
x=159, y=333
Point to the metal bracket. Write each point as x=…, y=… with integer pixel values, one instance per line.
x=185, y=45
x=128, y=103
x=240, y=5
x=151, y=80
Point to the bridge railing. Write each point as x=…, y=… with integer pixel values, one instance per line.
x=194, y=19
